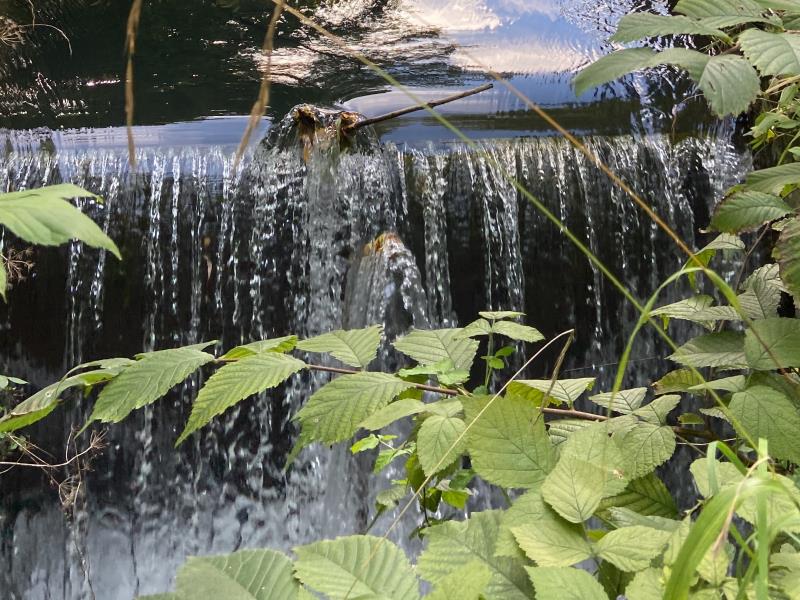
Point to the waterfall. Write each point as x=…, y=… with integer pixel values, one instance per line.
x=404, y=236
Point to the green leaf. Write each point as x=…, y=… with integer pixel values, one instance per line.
x=730, y=84
x=623, y=401
x=43, y=216
x=774, y=179
x=434, y=345
x=243, y=575
x=656, y=412
x=646, y=446
x=748, y=210
x=773, y=344
x=453, y=544
x=497, y=315
x=760, y=300
x=631, y=549
x=680, y=380
x=646, y=496
x=646, y=585
x=611, y=67
x=787, y=253
x=772, y=53
x=766, y=413
x=595, y=446
x=42, y=403
x=357, y=566
x=405, y=407
x=735, y=383
x=689, y=309
x=356, y=347
x=515, y=331
x=508, y=444
x=466, y=583
x=565, y=584
x=335, y=411
x=367, y=443
x=574, y=488
x=553, y=543
x=635, y=26
x=561, y=390
x=148, y=379
x=561, y=429
x=529, y=508
x=237, y=381
x=440, y=441
x=723, y=350
x=625, y=517
x=282, y=344
x=479, y=327
x=700, y=9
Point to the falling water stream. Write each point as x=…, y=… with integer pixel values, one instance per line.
x=280, y=245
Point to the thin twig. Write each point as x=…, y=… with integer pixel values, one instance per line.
x=95, y=444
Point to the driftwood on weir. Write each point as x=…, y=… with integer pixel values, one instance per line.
x=404, y=111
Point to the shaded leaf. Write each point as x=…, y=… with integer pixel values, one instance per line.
x=495, y=315
x=772, y=53
x=787, y=253
x=747, y=210
x=774, y=179
x=574, y=488
x=680, y=380
x=647, y=496
x=282, y=344
x=565, y=584
x=635, y=26
x=561, y=390
x=405, y=407
x=623, y=401
x=723, y=350
x=773, y=344
x=553, y=543
x=767, y=413
x=646, y=446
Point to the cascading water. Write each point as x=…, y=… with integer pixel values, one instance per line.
x=279, y=245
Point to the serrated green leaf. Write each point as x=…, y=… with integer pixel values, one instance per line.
x=508, y=444
x=773, y=344
x=623, y=401
x=440, y=441
x=680, y=380
x=340, y=568
x=700, y=9
x=772, y=53
x=595, y=446
x=631, y=549
x=735, y=383
x=730, y=84
x=760, y=300
x=434, y=345
x=391, y=496
x=449, y=407
x=405, y=407
x=516, y=331
x=237, y=381
x=611, y=67
x=479, y=327
x=42, y=403
x=723, y=350
x=647, y=496
x=714, y=566
x=561, y=429
x=646, y=585
x=43, y=216
x=636, y=26
x=529, y=508
x=565, y=584
x=747, y=210
x=453, y=544
x=335, y=411
x=355, y=347
x=243, y=575
x=646, y=446
x=148, y=379
x=625, y=517
x=553, y=543
x=574, y=488
x=466, y=583
x=366, y=443
x=562, y=390
x=690, y=309
x=495, y=315
x=787, y=253
x=766, y=413
x=774, y=179
x=656, y=412
x=282, y=344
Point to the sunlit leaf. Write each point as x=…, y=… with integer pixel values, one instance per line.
x=356, y=347
x=434, y=345
x=565, y=584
